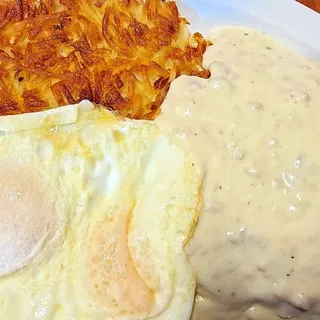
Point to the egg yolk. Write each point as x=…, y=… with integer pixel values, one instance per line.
x=27, y=216
x=114, y=282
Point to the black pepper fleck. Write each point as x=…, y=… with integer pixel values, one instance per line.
x=246, y=34
x=220, y=187
x=193, y=164
x=288, y=274
x=268, y=48
x=20, y=79
x=232, y=293
x=292, y=257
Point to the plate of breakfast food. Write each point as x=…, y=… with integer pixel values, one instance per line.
x=159, y=160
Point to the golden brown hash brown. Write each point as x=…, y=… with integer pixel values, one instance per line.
x=122, y=54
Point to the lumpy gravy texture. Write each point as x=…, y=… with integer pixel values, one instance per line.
x=255, y=127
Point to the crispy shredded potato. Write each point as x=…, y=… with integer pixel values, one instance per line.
x=121, y=54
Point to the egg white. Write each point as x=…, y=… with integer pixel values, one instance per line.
x=105, y=207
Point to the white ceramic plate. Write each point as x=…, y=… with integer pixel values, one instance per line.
x=287, y=20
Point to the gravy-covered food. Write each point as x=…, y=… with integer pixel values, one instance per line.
x=254, y=126
x=210, y=212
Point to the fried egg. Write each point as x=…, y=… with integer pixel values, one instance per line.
x=95, y=212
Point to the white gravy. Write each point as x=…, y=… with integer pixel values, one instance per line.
x=255, y=126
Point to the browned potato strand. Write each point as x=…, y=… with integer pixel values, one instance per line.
x=122, y=54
